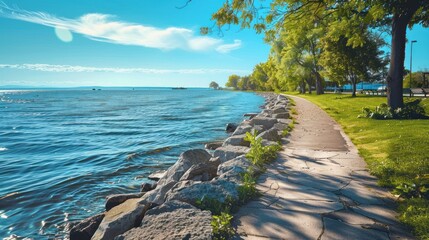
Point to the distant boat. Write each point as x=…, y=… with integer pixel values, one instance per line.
x=178, y=88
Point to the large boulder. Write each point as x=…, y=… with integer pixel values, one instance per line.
x=270, y=135
x=147, y=186
x=173, y=220
x=242, y=129
x=115, y=200
x=236, y=140
x=86, y=228
x=233, y=169
x=266, y=122
x=202, y=171
x=218, y=189
x=230, y=127
x=284, y=115
x=186, y=160
x=213, y=145
x=157, y=196
x=121, y=219
x=226, y=153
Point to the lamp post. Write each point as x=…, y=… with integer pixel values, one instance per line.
x=411, y=62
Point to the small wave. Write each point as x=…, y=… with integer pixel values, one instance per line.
x=3, y=149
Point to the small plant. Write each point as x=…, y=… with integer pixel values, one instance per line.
x=411, y=110
x=418, y=188
x=289, y=128
x=247, y=190
x=258, y=153
x=215, y=206
x=221, y=224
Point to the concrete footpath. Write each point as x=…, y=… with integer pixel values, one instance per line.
x=319, y=188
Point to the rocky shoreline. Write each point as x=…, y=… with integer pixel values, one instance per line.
x=169, y=209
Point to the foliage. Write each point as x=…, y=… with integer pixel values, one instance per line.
x=411, y=110
x=221, y=224
x=417, y=81
x=395, y=150
x=233, y=81
x=418, y=188
x=258, y=153
x=214, y=85
x=347, y=64
x=247, y=190
x=415, y=213
x=302, y=27
x=215, y=206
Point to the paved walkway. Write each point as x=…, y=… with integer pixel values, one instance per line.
x=319, y=188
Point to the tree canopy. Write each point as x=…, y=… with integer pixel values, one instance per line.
x=305, y=27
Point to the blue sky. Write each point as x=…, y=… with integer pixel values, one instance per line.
x=130, y=43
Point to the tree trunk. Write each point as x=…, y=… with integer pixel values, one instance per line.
x=353, y=88
x=302, y=87
x=397, y=56
x=319, y=84
x=308, y=80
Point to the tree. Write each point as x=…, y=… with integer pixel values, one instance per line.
x=233, y=81
x=418, y=81
x=214, y=85
x=342, y=14
x=344, y=63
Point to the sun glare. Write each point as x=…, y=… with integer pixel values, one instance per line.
x=63, y=34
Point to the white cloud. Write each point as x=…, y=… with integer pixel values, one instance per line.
x=78, y=69
x=226, y=48
x=105, y=28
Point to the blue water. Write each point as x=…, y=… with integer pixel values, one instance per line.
x=63, y=151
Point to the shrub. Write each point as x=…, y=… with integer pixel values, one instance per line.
x=258, y=153
x=418, y=188
x=221, y=224
x=411, y=110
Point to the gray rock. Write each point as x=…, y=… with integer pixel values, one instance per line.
x=270, y=135
x=230, y=127
x=213, y=145
x=186, y=160
x=236, y=140
x=226, y=153
x=121, y=219
x=172, y=220
x=233, y=169
x=250, y=115
x=238, y=164
x=203, y=171
x=242, y=129
x=279, y=109
x=281, y=97
x=281, y=115
x=280, y=126
x=115, y=200
x=156, y=175
x=266, y=122
x=219, y=189
x=86, y=228
x=146, y=187
x=157, y=195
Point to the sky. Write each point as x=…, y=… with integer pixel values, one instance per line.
x=131, y=43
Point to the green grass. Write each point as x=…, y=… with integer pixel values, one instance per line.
x=396, y=151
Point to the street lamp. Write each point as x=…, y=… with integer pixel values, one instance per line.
x=411, y=62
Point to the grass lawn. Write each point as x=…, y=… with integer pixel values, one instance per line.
x=396, y=151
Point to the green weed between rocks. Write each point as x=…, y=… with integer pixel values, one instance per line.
x=222, y=228
x=260, y=154
x=396, y=150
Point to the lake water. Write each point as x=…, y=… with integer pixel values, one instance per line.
x=63, y=151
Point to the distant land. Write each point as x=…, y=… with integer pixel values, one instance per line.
x=14, y=87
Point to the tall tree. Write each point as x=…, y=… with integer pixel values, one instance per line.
x=214, y=85
x=343, y=63
x=233, y=81
x=397, y=14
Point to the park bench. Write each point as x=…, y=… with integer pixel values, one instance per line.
x=414, y=91
x=425, y=91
